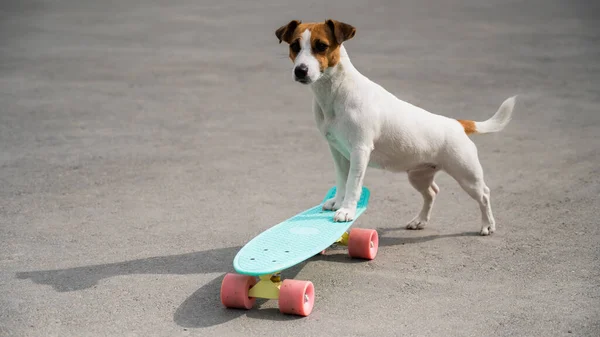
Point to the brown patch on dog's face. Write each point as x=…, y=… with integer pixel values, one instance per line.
x=325, y=40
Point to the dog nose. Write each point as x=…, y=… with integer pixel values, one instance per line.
x=301, y=71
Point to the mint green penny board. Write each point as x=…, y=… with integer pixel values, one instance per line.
x=294, y=240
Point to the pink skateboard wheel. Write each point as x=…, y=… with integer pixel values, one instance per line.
x=234, y=291
x=363, y=243
x=296, y=297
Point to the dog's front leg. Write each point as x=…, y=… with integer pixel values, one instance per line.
x=359, y=159
x=342, y=165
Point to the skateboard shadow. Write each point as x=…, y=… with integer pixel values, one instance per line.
x=203, y=308
x=78, y=278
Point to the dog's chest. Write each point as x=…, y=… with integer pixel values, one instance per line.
x=334, y=133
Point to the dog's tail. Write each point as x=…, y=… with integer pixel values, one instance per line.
x=494, y=124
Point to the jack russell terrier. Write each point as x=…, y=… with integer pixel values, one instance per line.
x=366, y=126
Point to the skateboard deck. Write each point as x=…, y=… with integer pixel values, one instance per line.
x=295, y=239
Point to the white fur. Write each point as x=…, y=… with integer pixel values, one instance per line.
x=365, y=125
x=500, y=119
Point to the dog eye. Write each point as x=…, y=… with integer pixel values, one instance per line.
x=320, y=46
x=295, y=47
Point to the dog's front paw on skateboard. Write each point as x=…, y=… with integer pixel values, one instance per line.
x=344, y=214
x=332, y=204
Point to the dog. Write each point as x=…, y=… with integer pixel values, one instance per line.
x=367, y=126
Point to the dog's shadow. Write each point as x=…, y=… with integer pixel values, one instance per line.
x=385, y=241
x=203, y=308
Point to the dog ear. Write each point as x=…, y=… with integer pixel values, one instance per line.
x=284, y=33
x=341, y=31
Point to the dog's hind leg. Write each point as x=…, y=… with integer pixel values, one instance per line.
x=467, y=171
x=422, y=180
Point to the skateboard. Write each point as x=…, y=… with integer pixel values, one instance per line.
x=260, y=262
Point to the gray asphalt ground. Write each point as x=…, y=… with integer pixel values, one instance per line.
x=142, y=143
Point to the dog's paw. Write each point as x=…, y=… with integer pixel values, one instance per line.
x=416, y=223
x=332, y=204
x=344, y=215
x=487, y=230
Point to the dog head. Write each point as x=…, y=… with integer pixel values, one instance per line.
x=314, y=47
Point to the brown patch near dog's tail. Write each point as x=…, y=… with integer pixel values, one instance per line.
x=469, y=126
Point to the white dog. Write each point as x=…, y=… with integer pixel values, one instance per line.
x=365, y=125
